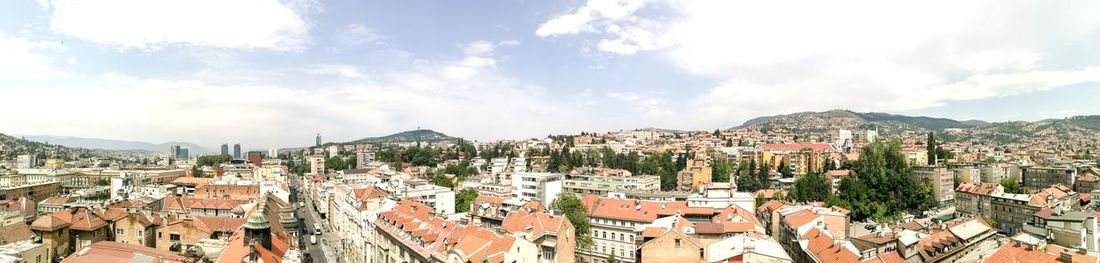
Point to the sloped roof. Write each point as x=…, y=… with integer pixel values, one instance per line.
x=48, y=223
x=823, y=247
x=370, y=192
x=538, y=223
x=109, y=251
x=15, y=232
x=84, y=220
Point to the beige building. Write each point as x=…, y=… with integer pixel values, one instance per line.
x=942, y=180
x=976, y=199
x=25, y=251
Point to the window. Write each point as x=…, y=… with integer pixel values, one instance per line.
x=604, y=235
x=118, y=231
x=677, y=243
x=631, y=238
x=612, y=251
x=176, y=237
x=701, y=253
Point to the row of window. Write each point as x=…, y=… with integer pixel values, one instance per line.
x=611, y=222
x=603, y=235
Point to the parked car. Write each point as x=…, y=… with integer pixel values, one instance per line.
x=313, y=239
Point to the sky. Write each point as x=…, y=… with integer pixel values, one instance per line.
x=271, y=73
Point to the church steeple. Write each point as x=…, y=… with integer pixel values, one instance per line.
x=257, y=229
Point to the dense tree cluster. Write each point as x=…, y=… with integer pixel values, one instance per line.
x=811, y=187
x=212, y=160
x=883, y=186
x=665, y=164
x=751, y=178
x=415, y=155
x=462, y=170
x=720, y=170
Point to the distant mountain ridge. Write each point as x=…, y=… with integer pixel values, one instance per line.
x=110, y=144
x=930, y=123
x=421, y=135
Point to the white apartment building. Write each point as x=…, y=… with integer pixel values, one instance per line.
x=363, y=158
x=316, y=164
x=441, y=199
x=603, y=184
x=719, y=195
x=354, y=210
x=541, y=187
x=25, y=161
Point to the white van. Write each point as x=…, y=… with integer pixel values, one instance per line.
x=313, y=239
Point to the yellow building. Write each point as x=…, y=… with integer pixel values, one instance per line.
x=55, y=164
x=695, y=175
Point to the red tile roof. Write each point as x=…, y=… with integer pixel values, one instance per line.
x=84, y=220
x=49, y=222
x=800, y=218
x=370, y=192
x=823, y=247
x=537, y=224
x=977, y=189
x=1013, y=252
x=639, y=211
x=109, y=251
x=796, y=146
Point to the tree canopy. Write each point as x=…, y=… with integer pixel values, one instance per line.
x=573, y=209
x=1012, y=186
x=463, y=199
x=811, y=187
x=883, y=186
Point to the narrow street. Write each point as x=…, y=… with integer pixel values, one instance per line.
x=308, y=216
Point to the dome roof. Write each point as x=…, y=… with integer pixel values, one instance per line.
x=257, y=220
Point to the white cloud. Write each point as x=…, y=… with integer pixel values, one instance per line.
x=359, y=34
x=583, y=19
x=343, y=71
x=478, y=57
x=646, y=102
x=150, y=25
x=21, y=57
x=770, y=57
x=263, y=114
x=71, y=61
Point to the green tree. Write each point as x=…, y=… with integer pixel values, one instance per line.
x=213, y=160
x=612, y=259
x=442, y=180
x=811, y=187
x=573, y=209
x=785, y=169
x=464, y=199
x=883, y=186
x=930, y=146
x=762, y=177
x=760, y=199
x=1012, y=186
x=748, y=180
x=335, y=163
x=195, y=171
x=720, y=170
